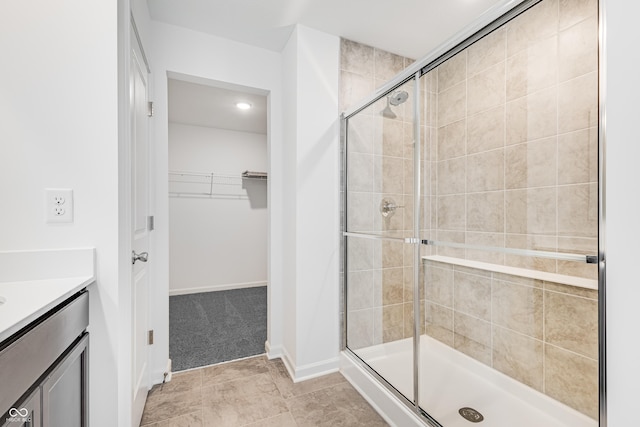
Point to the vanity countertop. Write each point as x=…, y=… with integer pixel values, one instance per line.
x=23, y=302
x=34, y=282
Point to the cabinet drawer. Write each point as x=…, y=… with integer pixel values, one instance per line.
x=28, y=356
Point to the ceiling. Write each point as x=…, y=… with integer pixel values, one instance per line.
x=203, y=105
x=410, y=28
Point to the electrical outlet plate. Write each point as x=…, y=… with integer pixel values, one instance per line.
x=58, y=204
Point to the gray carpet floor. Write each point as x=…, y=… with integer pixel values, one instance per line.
x=214, y=327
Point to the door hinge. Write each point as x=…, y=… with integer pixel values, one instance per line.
x=150, y=337
x=151, y=223
x=150, y=109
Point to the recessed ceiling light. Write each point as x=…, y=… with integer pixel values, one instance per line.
x=243, y=105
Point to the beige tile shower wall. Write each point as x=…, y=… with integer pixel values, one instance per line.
x=542, y=334
x=515, y=165
x=515, y=156
x=379, y=166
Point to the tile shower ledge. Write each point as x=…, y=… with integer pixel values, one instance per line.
x=515, y=271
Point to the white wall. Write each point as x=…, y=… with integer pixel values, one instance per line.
x=217, y=242
x=623, y=207
x=207, y=59
x=311, y=67
x=59, y=109
x=303, y=178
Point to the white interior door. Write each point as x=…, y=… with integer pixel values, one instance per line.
x=139, y=227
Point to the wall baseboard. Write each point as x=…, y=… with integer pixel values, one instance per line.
x=272, y=352
x=213, y=288
x=318, y=369
x=288, y=363
x=307, y=372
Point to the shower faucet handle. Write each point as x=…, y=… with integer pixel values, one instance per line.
x=388, y=207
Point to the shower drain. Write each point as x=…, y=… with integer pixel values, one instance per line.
x=471, y=414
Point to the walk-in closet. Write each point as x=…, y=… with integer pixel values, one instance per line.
x=218, y=209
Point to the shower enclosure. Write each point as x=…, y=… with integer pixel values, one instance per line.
x=471, y=225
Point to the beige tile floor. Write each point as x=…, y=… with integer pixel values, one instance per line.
x=255, y=392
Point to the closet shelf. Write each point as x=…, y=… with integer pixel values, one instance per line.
x=254, y=175
x=211, y=184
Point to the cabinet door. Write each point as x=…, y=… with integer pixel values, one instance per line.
x=64, y=391
x=25, y=414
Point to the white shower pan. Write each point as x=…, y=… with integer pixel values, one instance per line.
x=450, y=381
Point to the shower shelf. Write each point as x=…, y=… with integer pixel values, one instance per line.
x=211, y=184
x=579, y=282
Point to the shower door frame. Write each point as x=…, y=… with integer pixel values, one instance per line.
x=414, y=241
x=485, y=24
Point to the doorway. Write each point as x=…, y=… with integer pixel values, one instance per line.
x=218, y=222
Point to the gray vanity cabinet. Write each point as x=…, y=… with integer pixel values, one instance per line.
x=48, y=363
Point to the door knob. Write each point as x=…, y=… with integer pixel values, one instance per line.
x=142, y=256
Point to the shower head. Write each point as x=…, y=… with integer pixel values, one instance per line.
x=394, y=99
x=388, y=112
x=398, y=97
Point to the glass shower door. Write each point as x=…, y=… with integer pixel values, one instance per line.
x=380, y=237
